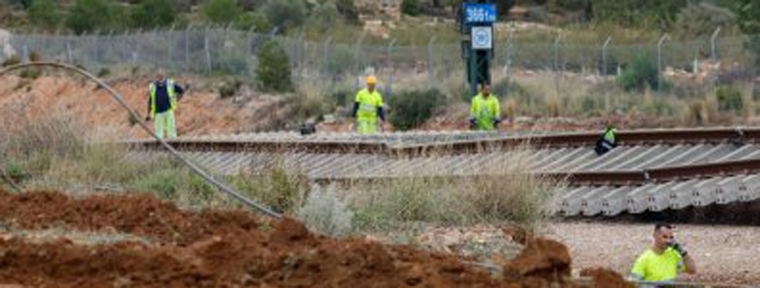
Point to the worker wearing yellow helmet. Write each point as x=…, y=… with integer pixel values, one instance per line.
x=368, y=107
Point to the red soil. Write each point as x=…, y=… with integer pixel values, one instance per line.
x=231, y=249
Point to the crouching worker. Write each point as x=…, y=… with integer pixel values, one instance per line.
x=607, y=142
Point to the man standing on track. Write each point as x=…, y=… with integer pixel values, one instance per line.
x=162, y=103
x=664, y=260
x=368, y=108
x=485, y=114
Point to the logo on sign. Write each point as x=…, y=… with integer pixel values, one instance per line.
x=482, y=37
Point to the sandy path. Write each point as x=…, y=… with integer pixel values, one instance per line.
x=723, y=253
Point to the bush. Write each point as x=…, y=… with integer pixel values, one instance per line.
x=229, y=88
x=221, y=11
x=729, y=99
x=10, y=61
x=253, y=20
x=153, y=13
x=273, y=70
x=643, y=72
x=250, y=5
x=348, y=10
x=324, y=213
x=324, y=17
x=87, y=16
x=412, y=108
x=410, y=7
x=700, y=20
x=44, y=14
x=17, y=172
x=285, y=14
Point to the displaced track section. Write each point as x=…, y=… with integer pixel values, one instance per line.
x=652, y=170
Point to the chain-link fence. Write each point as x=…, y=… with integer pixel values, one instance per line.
x=218, y=51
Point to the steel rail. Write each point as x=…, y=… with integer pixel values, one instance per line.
x=636, y=137
x=164, y=144
x=596, y=178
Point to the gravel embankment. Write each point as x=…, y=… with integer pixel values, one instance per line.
x=727, y=254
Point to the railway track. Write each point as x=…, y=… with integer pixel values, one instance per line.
x=652, y=170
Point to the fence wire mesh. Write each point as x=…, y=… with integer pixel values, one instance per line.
x=218, y=51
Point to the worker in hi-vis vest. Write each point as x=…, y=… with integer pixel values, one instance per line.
x=162, y=103
x=368, y=107
x=485, y=113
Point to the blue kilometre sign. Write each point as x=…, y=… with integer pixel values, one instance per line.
x=479, y=13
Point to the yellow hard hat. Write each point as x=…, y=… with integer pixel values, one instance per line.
x=371, y=80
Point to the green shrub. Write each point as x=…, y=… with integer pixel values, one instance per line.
x=229, y=88
x=44, y=14
x=87, y=16
x=221, y=11
x=250, y=5
x=25, y=4
x=273, y=70
x=164, y=183
x=153, y=13
x=700, y=20
x=253, y=20
x=325, y=213
x=285, y=14
x=10, y=61
x=17, y=172
x=324, y=17
x=643, y=72
x=410, y=7
x=412, y=108
x=348, y=10
x=729, y=99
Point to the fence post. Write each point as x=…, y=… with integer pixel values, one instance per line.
x=68, y=51
x=713, y=54
x=325, y=54
x=299, y=55
x=659, y=60
x=431, y=72
x=556, y=63
x=357, y=54
x=604, y=55
x=207, y=50
x=392, y=69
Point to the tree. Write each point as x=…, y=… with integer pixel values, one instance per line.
x=348, y=10
x=410, y=7
x=324, y=16
x=285, y=14
x=273, y=70
x=700, y=20
x=44, y=14
x=153, y=13
x=221, y=11
x=748, y=19
x=253, y=20
x=26, y=4
x=94, y=15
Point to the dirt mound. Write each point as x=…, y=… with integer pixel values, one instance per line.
x=605, y=278
x=232, y=248
x=542, y=261
x=136, y=214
